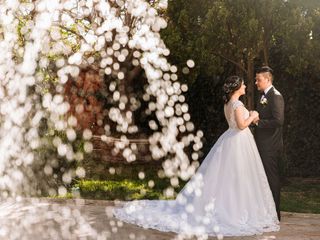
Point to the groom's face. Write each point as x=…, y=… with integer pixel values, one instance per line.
x=262, y=81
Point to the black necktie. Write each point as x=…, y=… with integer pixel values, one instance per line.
x=262, y=96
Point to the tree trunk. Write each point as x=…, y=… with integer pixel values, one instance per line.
x=250, y=84
x=265, y=49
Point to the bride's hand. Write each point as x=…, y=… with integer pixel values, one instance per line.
x=254, y=114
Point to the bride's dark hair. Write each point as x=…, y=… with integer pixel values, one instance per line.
x=232, y=84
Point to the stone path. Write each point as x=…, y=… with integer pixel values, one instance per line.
x=35, y=219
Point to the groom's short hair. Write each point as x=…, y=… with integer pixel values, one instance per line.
x=267, y=70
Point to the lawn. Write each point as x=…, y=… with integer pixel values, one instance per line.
x=301, y=195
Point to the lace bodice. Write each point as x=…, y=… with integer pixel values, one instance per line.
x=229, y=113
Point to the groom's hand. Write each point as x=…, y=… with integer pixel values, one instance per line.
x=256, y=120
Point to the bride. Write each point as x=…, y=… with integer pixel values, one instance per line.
x=228, y=196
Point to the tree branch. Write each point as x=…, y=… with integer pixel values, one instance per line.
x=232, y=61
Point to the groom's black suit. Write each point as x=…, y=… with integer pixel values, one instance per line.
x=268, y=136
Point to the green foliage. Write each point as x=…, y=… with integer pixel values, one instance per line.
x=224, y=36
x=58, y=165
x=302, y=130
x=67, y=196
x=111, y=181
x=124, y=183
x=124, y=190
x=296, y=59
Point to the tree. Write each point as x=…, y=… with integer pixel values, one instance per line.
x=235, y=37
x=226, y=34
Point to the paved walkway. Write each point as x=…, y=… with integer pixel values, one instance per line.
x=35, y=219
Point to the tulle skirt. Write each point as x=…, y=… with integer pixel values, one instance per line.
x=229, y=195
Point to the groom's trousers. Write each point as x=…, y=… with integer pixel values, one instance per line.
x=270, y=162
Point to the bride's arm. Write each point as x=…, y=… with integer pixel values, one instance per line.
x=243, y=123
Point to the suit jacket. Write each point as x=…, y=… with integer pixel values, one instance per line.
x=268, y=132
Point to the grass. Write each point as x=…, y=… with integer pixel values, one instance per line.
x=122, y=182
x=301, y=195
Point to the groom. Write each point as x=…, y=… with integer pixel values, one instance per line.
x=268, y=130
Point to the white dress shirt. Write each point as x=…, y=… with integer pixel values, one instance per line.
x=266, y=91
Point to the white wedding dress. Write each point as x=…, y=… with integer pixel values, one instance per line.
x=229, y=195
